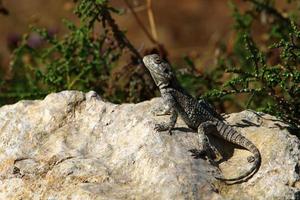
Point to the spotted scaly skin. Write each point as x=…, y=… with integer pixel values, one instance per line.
x=198, y=115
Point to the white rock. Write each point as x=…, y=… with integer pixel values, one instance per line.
x=73, y=145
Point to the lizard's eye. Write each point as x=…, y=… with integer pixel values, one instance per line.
x=166, y=70
x=157, y=60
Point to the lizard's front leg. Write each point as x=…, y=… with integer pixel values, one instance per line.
x=169, y=109
x=168, y=126
x=160, y=111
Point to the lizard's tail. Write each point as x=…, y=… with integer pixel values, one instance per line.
x=229, y=134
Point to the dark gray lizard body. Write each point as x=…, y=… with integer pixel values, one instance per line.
x=198, y=115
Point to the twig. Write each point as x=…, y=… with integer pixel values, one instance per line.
x=140, y=23
x=271, y=11
x=120, y=37
x=140, y=8
x=3, y=10
x=151, y=19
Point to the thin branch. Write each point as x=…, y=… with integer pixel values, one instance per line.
x=140, y=23
x=151, y=19
x=140, y=8
x=271, y=11
x=3, y=10
x=118, y=34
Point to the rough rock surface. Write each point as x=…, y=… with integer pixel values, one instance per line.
x=73, y=145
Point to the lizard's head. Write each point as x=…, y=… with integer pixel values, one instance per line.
x=160, y=70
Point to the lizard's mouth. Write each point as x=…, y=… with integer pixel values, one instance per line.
x=155, y=70
x=155, y=77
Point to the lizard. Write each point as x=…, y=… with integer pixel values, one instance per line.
x=197, y=115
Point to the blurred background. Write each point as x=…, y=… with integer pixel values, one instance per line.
x=190, y=27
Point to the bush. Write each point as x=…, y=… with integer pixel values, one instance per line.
x=81, y=60
x=263, y=73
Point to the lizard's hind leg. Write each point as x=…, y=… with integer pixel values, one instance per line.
x=206, y=150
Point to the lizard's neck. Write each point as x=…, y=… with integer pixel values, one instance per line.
x=173, y=84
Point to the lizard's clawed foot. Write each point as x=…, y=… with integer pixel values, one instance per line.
x=203, y=154
x=160, y=112
x=161, y=127
x=250, y=159
x=196, y=153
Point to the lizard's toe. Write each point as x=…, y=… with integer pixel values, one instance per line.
x=250, y=159
x=160, y=127
x=196, y=153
